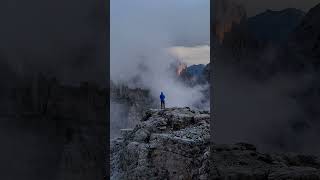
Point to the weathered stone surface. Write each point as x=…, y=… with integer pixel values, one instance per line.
x=175, y=144
x=166, y=144
x=242, y=161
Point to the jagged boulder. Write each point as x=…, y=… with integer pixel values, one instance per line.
x=167, y=144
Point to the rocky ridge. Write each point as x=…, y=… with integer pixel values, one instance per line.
x=167, y=144
x=175, y=144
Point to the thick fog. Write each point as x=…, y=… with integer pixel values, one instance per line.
x=278, y=112
x=261, y=113
x=141, y=33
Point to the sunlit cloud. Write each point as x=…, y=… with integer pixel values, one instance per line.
x=191, y=55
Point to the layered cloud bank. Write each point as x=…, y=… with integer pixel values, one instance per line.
x=192, y=55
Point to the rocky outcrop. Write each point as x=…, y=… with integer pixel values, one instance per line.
x=243, y=161
x=227, y=14
x=255, y=45
x=167, y=144
x=175, y=144
x=195, y=75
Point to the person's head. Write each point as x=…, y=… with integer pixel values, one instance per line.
x=161, y=92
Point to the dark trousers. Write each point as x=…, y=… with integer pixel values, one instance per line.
x=162, y=105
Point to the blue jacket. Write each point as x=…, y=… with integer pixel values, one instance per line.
x=162, y=97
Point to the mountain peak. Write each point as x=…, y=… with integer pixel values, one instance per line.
x=275, y=26
x=292, y=11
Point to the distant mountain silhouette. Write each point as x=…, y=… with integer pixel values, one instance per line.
x=196, y=70
x=195, y=74
x=275, y=25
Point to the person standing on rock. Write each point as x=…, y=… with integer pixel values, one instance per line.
x=162, y=97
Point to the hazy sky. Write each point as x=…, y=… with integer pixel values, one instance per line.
x=146, y=27
x=256, y=6
x=141, y=32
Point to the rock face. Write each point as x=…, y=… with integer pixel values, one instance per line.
x=167, y=144
x=175, y=144
x=242, y=161
x=227, y=14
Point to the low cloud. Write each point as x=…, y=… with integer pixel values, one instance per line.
x=192, y=55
